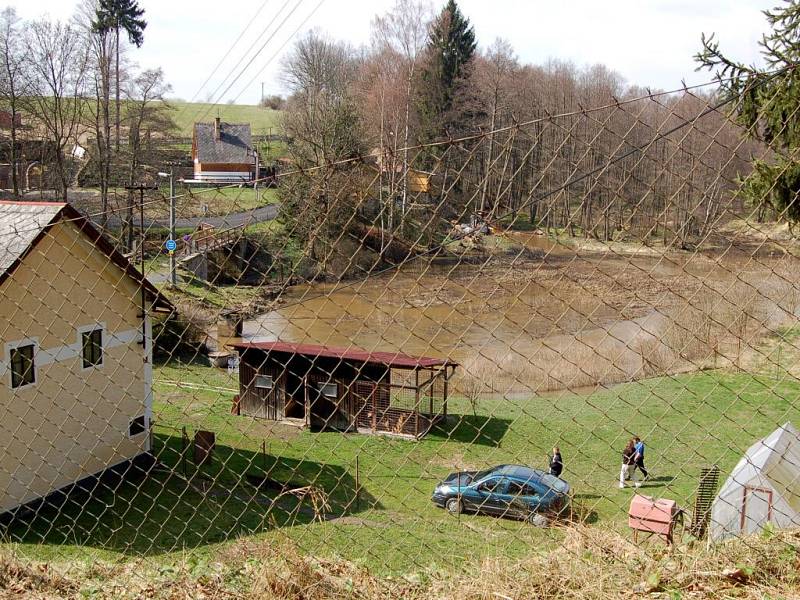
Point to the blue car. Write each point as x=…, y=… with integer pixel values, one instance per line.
x=510, y=491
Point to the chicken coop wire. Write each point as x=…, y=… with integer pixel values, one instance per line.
x=413, y=324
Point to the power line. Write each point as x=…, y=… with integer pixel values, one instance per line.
x=251, y=59
x=280, y=49
x=230, y=49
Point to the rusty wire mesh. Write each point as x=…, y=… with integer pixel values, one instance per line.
x=576, y=279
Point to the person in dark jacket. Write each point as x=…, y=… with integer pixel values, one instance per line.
x=638, y=457
x=555, y=463
x=628, y=454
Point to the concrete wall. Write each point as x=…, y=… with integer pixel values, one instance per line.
x=72, y=422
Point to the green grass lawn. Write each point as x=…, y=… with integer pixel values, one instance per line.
x=260, y=119
x=688, y=422
x=196, y=202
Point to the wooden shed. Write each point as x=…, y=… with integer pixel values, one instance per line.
x=346, y=389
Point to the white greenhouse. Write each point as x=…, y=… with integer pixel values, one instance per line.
x=763, y=488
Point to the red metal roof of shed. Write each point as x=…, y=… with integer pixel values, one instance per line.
x=389, y=359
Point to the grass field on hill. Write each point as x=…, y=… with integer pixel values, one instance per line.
x=688, y=421
x=260, y=119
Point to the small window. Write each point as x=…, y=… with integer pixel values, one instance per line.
x=22, y=366
x=137, y=426
x=92, y=342
x=329, y=390
x=264, y=382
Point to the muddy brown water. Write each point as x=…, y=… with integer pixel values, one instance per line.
x=561, y=320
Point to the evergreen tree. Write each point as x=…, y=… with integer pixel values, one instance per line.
x=768, y=106
x=117, y=16
x=449, y=53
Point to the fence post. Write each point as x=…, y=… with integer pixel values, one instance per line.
x=358, y=487
x=460, y=505
x=416, y=404
x=264, y=456
x=184, y=443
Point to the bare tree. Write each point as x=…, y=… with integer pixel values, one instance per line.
x=146, y=111
x=493, y=77
x=12, y=82
x=322, y=120
x=56, y=61
x=100, y=43
x=404, y=30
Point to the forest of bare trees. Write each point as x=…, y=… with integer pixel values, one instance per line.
x=557, y=146
x=70, y=93
x=417, y=130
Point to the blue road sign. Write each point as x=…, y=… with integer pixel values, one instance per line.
x=171, y=245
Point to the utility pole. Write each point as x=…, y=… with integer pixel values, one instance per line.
x=141, y=189
x=173, y=275
x=262, y=93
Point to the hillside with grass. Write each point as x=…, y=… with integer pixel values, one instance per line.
x=260, y=119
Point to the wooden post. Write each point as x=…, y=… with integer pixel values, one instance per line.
x=358, y=487
x=184, y=443
x=458, y=478
x=306, y=401
x=430, y=396
x=375, y=407
x=264, y=456
x=444, y=399
x=416, y=404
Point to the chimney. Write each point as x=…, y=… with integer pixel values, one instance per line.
x=217, y=129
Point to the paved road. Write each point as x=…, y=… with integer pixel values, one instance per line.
x=239, y=219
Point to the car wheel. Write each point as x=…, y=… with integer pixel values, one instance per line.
x=454, y=506
x=538, y=520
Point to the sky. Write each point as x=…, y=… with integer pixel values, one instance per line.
x=649, y=42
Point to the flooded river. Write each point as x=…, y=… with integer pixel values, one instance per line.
x=551, y=321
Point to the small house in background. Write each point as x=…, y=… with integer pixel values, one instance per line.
x=417, y=181
x=6, y=119
x=76, y=363
x=346, y=389
x=764, y=487
x=223, y=153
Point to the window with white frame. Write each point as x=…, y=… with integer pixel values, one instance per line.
x=92, y=347
x=22, y=366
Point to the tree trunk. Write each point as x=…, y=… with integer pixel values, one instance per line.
x=13, y=154
x=488, y=168
x=117, y=86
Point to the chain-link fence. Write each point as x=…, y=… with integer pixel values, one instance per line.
x=388, y=358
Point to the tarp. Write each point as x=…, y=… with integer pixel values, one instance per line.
x=764, y=487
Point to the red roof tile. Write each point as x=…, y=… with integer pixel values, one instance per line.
x=389, y=359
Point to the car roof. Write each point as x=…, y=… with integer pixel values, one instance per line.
x=520, y=472
x=527, y=474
